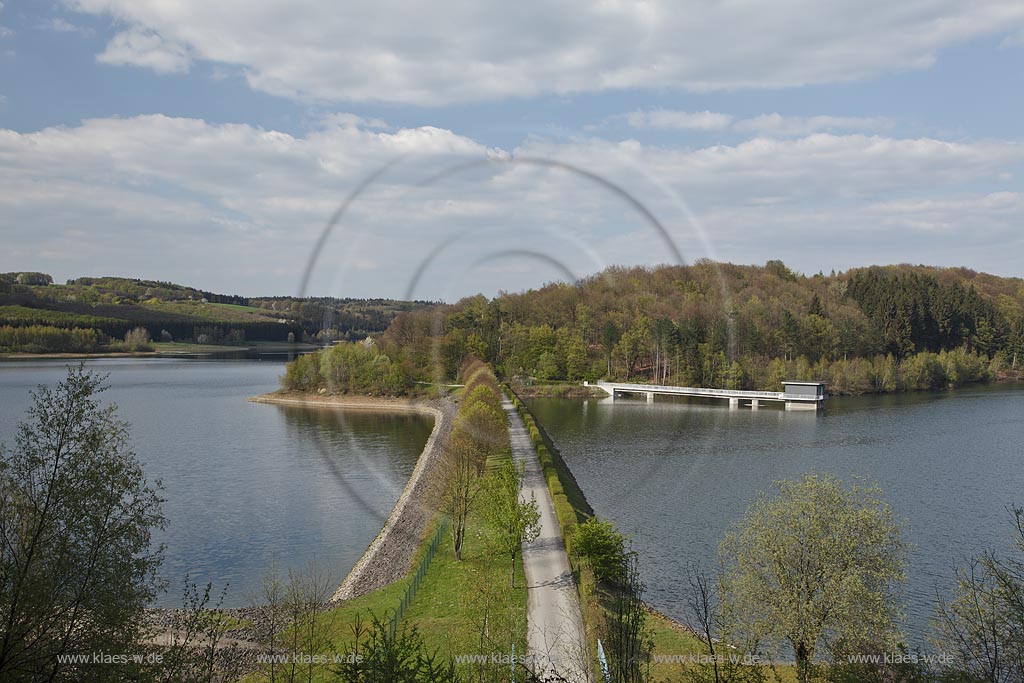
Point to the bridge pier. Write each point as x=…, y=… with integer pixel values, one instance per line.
x=798, y=395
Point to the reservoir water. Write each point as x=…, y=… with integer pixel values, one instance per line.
x=248, y=486
x=675, y=475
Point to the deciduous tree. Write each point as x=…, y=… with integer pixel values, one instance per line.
x=76, y=565
x=516, y=519
x=816, y=566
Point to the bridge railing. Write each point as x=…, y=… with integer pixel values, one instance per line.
x=703, y=391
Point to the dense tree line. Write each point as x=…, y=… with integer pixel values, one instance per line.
x=44, y=339
x=139, y=290
x=912, y=312
x=26, y=278
x=333, y=319
x=114, y=306
x=722, y=325
x=349, y=367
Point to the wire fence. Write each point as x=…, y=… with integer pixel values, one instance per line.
x=417, y=579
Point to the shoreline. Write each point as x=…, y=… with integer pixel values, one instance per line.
x=389, y=555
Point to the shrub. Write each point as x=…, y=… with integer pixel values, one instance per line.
x=603, y=547
x=137, y=339
x=303, y=373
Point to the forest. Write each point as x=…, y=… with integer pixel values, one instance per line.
x=89, y=314
x=867, y=330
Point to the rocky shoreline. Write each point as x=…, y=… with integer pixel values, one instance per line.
x=390, y=554
x=388, y=557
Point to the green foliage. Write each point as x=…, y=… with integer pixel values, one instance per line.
x=516, y=521
x=23, y=315
x=348, y=368
x=42, y=339
x=303, y=373
x=816, y=567
x=76, y=513
x=603, y=547
x=480, y=434
x=377, y=655
x=721, y=325
x=571, y=506
x=114, y=306
x=39, y=279
x=915, y=312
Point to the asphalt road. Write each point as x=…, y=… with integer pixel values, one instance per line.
x=556, y=640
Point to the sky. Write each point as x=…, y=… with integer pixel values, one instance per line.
x=435, y=150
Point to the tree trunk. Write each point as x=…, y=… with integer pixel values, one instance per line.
x=458, y=544
x=803, y=664
x=512, y=572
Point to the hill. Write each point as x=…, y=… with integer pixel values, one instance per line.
x=723, y=325
x=90, y=314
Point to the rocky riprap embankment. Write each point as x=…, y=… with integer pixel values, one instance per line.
x=390, y=554
x=388, y=557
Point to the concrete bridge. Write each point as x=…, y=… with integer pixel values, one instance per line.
x=796, y=395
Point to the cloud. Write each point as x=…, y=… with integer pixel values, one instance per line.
x=952, y=215
x=817, y=167
x=678, y=120
x=142, y=48
x=766, y=124
x=61, y=25
x=234, y=207
x=1014, y=40
x=5, y=32
x=452, y=51
x=790, y=126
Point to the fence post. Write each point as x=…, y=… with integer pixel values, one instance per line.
x=421, y=572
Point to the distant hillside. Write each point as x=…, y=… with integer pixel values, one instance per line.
x=110, y=307
x=723, y=325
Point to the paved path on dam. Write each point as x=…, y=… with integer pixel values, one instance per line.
x=555, y=637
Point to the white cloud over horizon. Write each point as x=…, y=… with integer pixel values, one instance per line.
x=774, y=124
x=679, y=120
x=237, y=208
x=395, y=52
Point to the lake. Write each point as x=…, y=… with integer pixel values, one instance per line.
x=248, y=486
x=674, y=475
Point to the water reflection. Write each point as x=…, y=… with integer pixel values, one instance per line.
x=676, y=474
x=248, y=486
